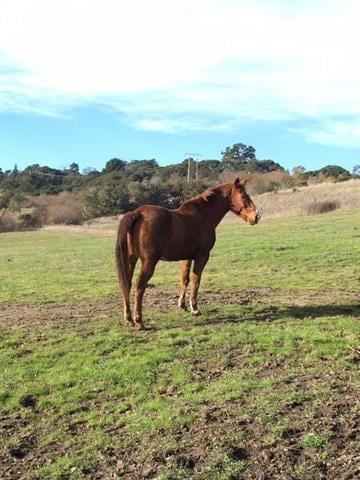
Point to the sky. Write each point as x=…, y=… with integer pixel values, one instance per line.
x=88, y=80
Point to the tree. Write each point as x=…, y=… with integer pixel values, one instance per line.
x=10, y=200
x=74, y=168
x=297, y=171
x=238, y=155
x=109, y=199
x=90, y=171
x=114, y=165
x=263, y=166
x=210, y=169
x=139, y=170
x=334, y=171
x=15, y=171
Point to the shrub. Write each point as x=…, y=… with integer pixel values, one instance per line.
x=268, y=182
x=51, y=209
x=67, y=214
x=322, y=207
x=9, y=222
x=108, y=199
x=35, y=219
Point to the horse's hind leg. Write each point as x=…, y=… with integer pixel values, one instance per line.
x=184, y=282
x=126, y=293
x=199, y=265
x=146, y=272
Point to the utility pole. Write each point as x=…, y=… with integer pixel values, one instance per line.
x=189, y=169
x=195, y=157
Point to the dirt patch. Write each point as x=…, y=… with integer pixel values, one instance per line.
x=29, y=316
x=26, y=315
x=264, y=455
x=293, y=304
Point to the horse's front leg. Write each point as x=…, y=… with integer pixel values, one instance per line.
x=184, y=282
x=199, y=265
x=146, y=272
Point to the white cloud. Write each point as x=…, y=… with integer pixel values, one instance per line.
x=181, y=125
x=337, y=133
x=185, y=64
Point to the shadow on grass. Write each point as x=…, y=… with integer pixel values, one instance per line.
x=275, y=312
x=322, y=310
x=216, y=316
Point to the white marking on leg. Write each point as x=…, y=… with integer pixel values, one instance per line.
x=194, y=308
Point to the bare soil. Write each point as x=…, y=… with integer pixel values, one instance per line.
x=28, y=316
x=308, y=304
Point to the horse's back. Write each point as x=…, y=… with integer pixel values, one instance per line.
x=164, y=234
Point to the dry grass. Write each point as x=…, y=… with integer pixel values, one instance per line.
x=294, y=202
x=57, y=209
x=9, y=222
x=44, y=210
x=258, y=183
x=268, y=182
x=283, y=203
x=322, y=207
x=101, y=226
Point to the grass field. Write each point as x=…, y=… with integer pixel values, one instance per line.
x=264, y=385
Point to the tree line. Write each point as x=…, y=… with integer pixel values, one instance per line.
x=121, y=185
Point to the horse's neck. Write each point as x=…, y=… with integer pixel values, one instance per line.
x=218, y=207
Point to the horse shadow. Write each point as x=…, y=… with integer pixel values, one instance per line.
x=271, y=313
x=323, y=310
x=266, y=314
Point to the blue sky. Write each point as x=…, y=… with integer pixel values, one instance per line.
x=87, y=80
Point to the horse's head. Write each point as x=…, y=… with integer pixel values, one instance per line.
x=241, y=204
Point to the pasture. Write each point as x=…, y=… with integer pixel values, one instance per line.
x=264, y=384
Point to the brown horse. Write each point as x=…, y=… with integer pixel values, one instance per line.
x=154, y=233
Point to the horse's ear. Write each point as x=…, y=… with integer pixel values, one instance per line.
x=240, y=183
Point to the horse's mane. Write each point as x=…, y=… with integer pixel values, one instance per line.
x=204, y=197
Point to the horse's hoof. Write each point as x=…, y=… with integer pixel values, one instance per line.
x=195, y=313
x=139, y=326
x=129, y=323
x=183, y=307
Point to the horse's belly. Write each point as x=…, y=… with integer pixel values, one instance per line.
x=174, y=256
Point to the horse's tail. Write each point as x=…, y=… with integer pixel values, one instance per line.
x=126, y=225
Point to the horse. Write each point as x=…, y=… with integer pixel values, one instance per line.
x=154, y=233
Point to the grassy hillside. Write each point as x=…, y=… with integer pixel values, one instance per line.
x=263, y=384
x=296, y=202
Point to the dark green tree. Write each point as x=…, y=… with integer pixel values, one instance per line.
x=239, y=155
x=74, y=168
x=114, y=165
x=336, y=172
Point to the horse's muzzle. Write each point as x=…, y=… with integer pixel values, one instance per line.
x=256, y=219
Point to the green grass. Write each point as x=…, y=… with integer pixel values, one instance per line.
x=178, y=400
x=307, y=254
